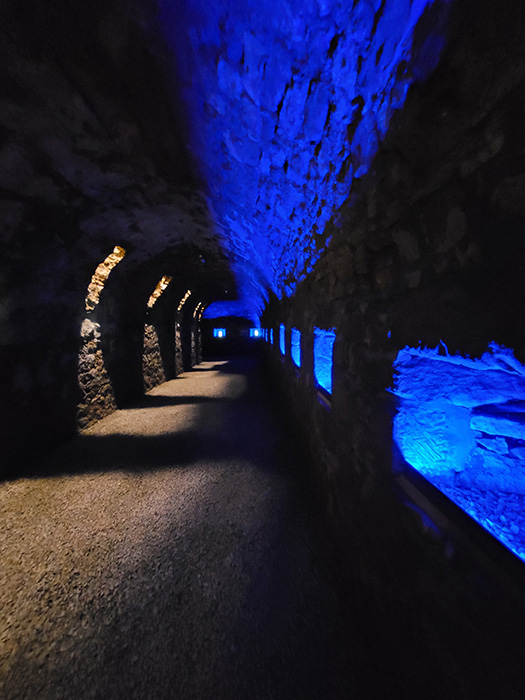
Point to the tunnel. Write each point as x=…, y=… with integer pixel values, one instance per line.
x=218, y=217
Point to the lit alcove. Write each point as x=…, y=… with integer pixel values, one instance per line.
x=271, y=336
x=282, y=340
x=158, y=291
x=256, y=333
x=219, y=332
x=461, y=423
x=323, y=357
x=97, y=397
x=153, y=372
x=101, y=275
x=295, y=347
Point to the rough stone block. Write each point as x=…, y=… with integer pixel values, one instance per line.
x=507, y=419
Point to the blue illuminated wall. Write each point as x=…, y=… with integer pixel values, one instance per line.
x=282, y=339
x=256, y=333
x=461, y=423
x=219, y=332
x=295, y=348
x=323, y=357
x=271, y=336
x=287, y=102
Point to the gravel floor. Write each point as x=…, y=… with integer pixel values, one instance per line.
x=166, y=553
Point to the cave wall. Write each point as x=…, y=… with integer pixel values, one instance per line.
x=91, y=156
x=97, y=396
x=428, y=247
x=152, y=369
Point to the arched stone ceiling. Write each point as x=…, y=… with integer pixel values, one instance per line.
x=287, y=102
x=234, y=126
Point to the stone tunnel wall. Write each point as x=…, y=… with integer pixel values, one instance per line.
x=97, y=396
x=152, y=368
x=161, y=361
x=83, y=168
x=429, y=246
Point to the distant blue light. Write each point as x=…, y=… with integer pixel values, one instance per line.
x=323, y=357
x=256, y=333
x=295, y=349
x=271, y=336
x=461, y=423
x=282, y=341
x=219, y=332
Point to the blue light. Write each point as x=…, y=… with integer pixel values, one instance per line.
x=271, y=336
x=256, y=333
x=461, y=423
x=295, y=349
x=219, y=332
x=323, y=357
x=276, y=95
x=282, y=340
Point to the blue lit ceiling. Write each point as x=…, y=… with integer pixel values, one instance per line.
x=289, y=100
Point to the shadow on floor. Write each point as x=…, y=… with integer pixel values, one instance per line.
x=132, y=453
x=157, y=400
x=222, y=428
x=231, y=365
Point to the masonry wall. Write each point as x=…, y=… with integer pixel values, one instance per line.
x=84, y=168
x=428, y=247
x=151, y=360
x=137, y=361
x=97, y=396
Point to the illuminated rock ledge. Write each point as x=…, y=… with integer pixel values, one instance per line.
x=461, y=423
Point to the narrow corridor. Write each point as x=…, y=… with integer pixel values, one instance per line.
x=167, y=553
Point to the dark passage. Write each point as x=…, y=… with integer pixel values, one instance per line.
x=168, y=553
x=334, y=185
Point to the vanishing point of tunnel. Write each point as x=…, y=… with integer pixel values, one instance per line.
x=262, y=354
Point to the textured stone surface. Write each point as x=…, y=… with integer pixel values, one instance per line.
x=97, y=399
x=290, y=109
x=91, y=157
x=167, y=553
x=152, y=369
x=420, y=239
x=435, y=255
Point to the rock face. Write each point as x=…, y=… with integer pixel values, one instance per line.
x=152, y=369
x=507, y=419
x=91, y=158
x=284, y=174
x=290, y=111
x=427, y=247
x=98, y=398
x=445, y=426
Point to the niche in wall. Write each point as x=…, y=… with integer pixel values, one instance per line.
x=295, y=347
x=323, y=357
x=461, y=423
x=282, y=339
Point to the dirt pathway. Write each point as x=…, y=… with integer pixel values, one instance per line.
x=166, y=554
